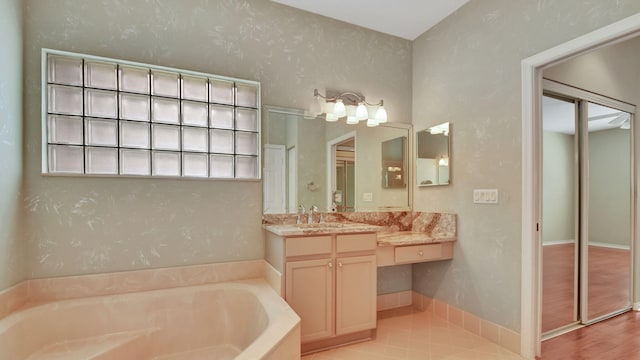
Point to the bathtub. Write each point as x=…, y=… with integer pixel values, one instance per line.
x=231, y=320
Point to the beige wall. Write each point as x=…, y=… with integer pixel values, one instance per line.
x=612, y=71
x=558, y=199
x=81, y=225
x=466, y=70
x=11, y=247
x=610, y=187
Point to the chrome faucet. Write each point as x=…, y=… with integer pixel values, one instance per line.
x=301, y=211
x=312, y=209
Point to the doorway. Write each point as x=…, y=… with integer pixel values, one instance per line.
x=532, y=69
x=586, y=208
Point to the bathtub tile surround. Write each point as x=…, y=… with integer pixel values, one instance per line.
x=38, y=291
x=13, y=298
x=143, y=314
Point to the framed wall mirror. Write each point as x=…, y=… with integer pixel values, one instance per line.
x=333, y=165
x=433, y=155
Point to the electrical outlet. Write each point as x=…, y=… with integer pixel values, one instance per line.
x=367, y=197
x=485, y=196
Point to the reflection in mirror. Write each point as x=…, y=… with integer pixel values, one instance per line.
x=433, y=155
x=335, y=166
x=343, y=150
x=394, y=162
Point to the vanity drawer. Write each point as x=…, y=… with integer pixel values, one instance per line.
x=418, y=253
x=308, y=245
x=356, y=242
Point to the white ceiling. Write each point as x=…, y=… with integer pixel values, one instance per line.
x=559, y=116
x=407, y=19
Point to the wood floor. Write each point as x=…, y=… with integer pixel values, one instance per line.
x=608, y=283
x=558, y=286
x=613, y=339
x=616, y=338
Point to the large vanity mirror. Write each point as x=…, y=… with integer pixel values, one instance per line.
x=333, y=165
x=433, y=155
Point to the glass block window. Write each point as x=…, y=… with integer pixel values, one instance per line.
x=111, y=117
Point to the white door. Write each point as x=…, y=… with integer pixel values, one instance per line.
x=274, y=179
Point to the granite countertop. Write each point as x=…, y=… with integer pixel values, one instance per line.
x=397, y=238
x=320, y=228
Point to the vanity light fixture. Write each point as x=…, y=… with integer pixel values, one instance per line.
x=355, y=109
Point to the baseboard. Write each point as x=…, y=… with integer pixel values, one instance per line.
x=609, y=246
x=591, y=243
x=495, y=333
x=558, y=242
x=636, y=306
x=394, y=300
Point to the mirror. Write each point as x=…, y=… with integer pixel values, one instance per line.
x=394, y=163
x=433, y=158
x=333, y=165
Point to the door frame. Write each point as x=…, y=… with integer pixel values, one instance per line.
x=531, y=75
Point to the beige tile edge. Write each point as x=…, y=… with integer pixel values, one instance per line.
x=500, y=335
x=71, y=287
x=394, y=300
x=13, y=298
x=274, y=278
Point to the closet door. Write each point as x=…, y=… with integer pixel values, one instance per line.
x=560, y=185
x=607, y=207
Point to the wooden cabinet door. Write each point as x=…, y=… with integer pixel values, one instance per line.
x=355, y=294
x=309, y=292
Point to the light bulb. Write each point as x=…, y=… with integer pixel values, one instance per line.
x=381, y=115
x=352, y=120
x=361, y=112
x=372, y=122
x=339, y=109
x=331, y=117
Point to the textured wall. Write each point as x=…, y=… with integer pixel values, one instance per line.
x=610, y=187
x=612, y=71
x=11, y=247
x=466, y=70
x=81, y=225
x=558, y=167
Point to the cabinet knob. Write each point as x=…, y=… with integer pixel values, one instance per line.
x=330, y=265
x=420, y=252
x=339, y=263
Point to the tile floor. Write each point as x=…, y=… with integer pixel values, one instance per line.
x=408, y=334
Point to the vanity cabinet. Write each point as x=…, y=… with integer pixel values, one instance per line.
x=330, y=282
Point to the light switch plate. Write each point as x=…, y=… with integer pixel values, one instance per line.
x=367, y=197
x=485, y=196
